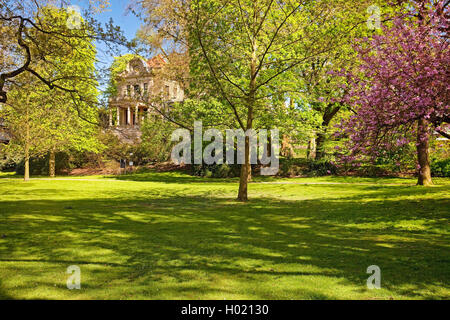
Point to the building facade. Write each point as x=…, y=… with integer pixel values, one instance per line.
x=137, y=88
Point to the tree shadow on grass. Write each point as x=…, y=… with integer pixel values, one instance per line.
x=170, y=177
x=3, y=293
x=183, y=247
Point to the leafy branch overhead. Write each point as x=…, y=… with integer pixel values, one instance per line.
x=33, y=34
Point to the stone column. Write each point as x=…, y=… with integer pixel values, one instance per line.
x=110, y=117
x=128, y=115
x=118, y=117
x=136, y=115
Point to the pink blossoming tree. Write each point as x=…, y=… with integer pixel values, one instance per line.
x=402, y=88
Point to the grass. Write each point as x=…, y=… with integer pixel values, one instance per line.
x=173, y=236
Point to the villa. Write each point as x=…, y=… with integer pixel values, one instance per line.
x=139, y=88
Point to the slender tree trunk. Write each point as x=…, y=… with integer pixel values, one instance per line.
x=320, y=144
x=328, y=115
x=246, y=170
x=51, y=163
x=311, y=150
x=423, y=156
x=26, y=176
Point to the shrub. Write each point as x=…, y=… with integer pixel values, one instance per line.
x=441, y=168
x=40, y=166
x=290, y=167
x=85, y=160
x=7, y=163
x=321, y=168
x=217, y=170
x=156, y=142
x=371, y=170
x=223, y=171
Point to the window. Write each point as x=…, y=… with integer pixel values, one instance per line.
x=145, y=88
x=167, y=91
x=137, y=90
x=128, y=90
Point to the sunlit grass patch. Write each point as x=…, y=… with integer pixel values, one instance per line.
x=173, y=236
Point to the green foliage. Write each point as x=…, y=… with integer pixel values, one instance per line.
x=40, y=165
x=398, y=159
x=208, y=109
x=217, y=170
x=114, y=148
x=441, y=168
x=322, y=167
x=156, y=144
x=291, y=167
x=41, y=119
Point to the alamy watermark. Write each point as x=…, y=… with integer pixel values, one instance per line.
x=74, y=19
x=374, y=281
x=374, y=20
x=261, y=147
x=74, y=280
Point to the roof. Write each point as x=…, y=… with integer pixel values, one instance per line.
x=156, y=62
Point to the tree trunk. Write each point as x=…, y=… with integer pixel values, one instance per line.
x=311, y=150
x=328, y=115
x=26, y=176
x=320, y=144
x=245, y=172
x=286, y=147
x=51, y=163
x=423, y=156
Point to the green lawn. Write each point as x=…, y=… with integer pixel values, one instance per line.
x=173, y=236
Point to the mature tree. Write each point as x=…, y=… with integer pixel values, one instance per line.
x=245, y=52
x=55, y=120
x=252, y=49
x=64, y=130
x=22, y=115
x=402, y=87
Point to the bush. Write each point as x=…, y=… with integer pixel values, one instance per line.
x=217, y=170
x=7, y=164
x=223, y=171
x=40, y=166
x=440, y=168
x=85, y=160
x=321, y=168
x=290, y=167
x=156, y=142
x=371, y=170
